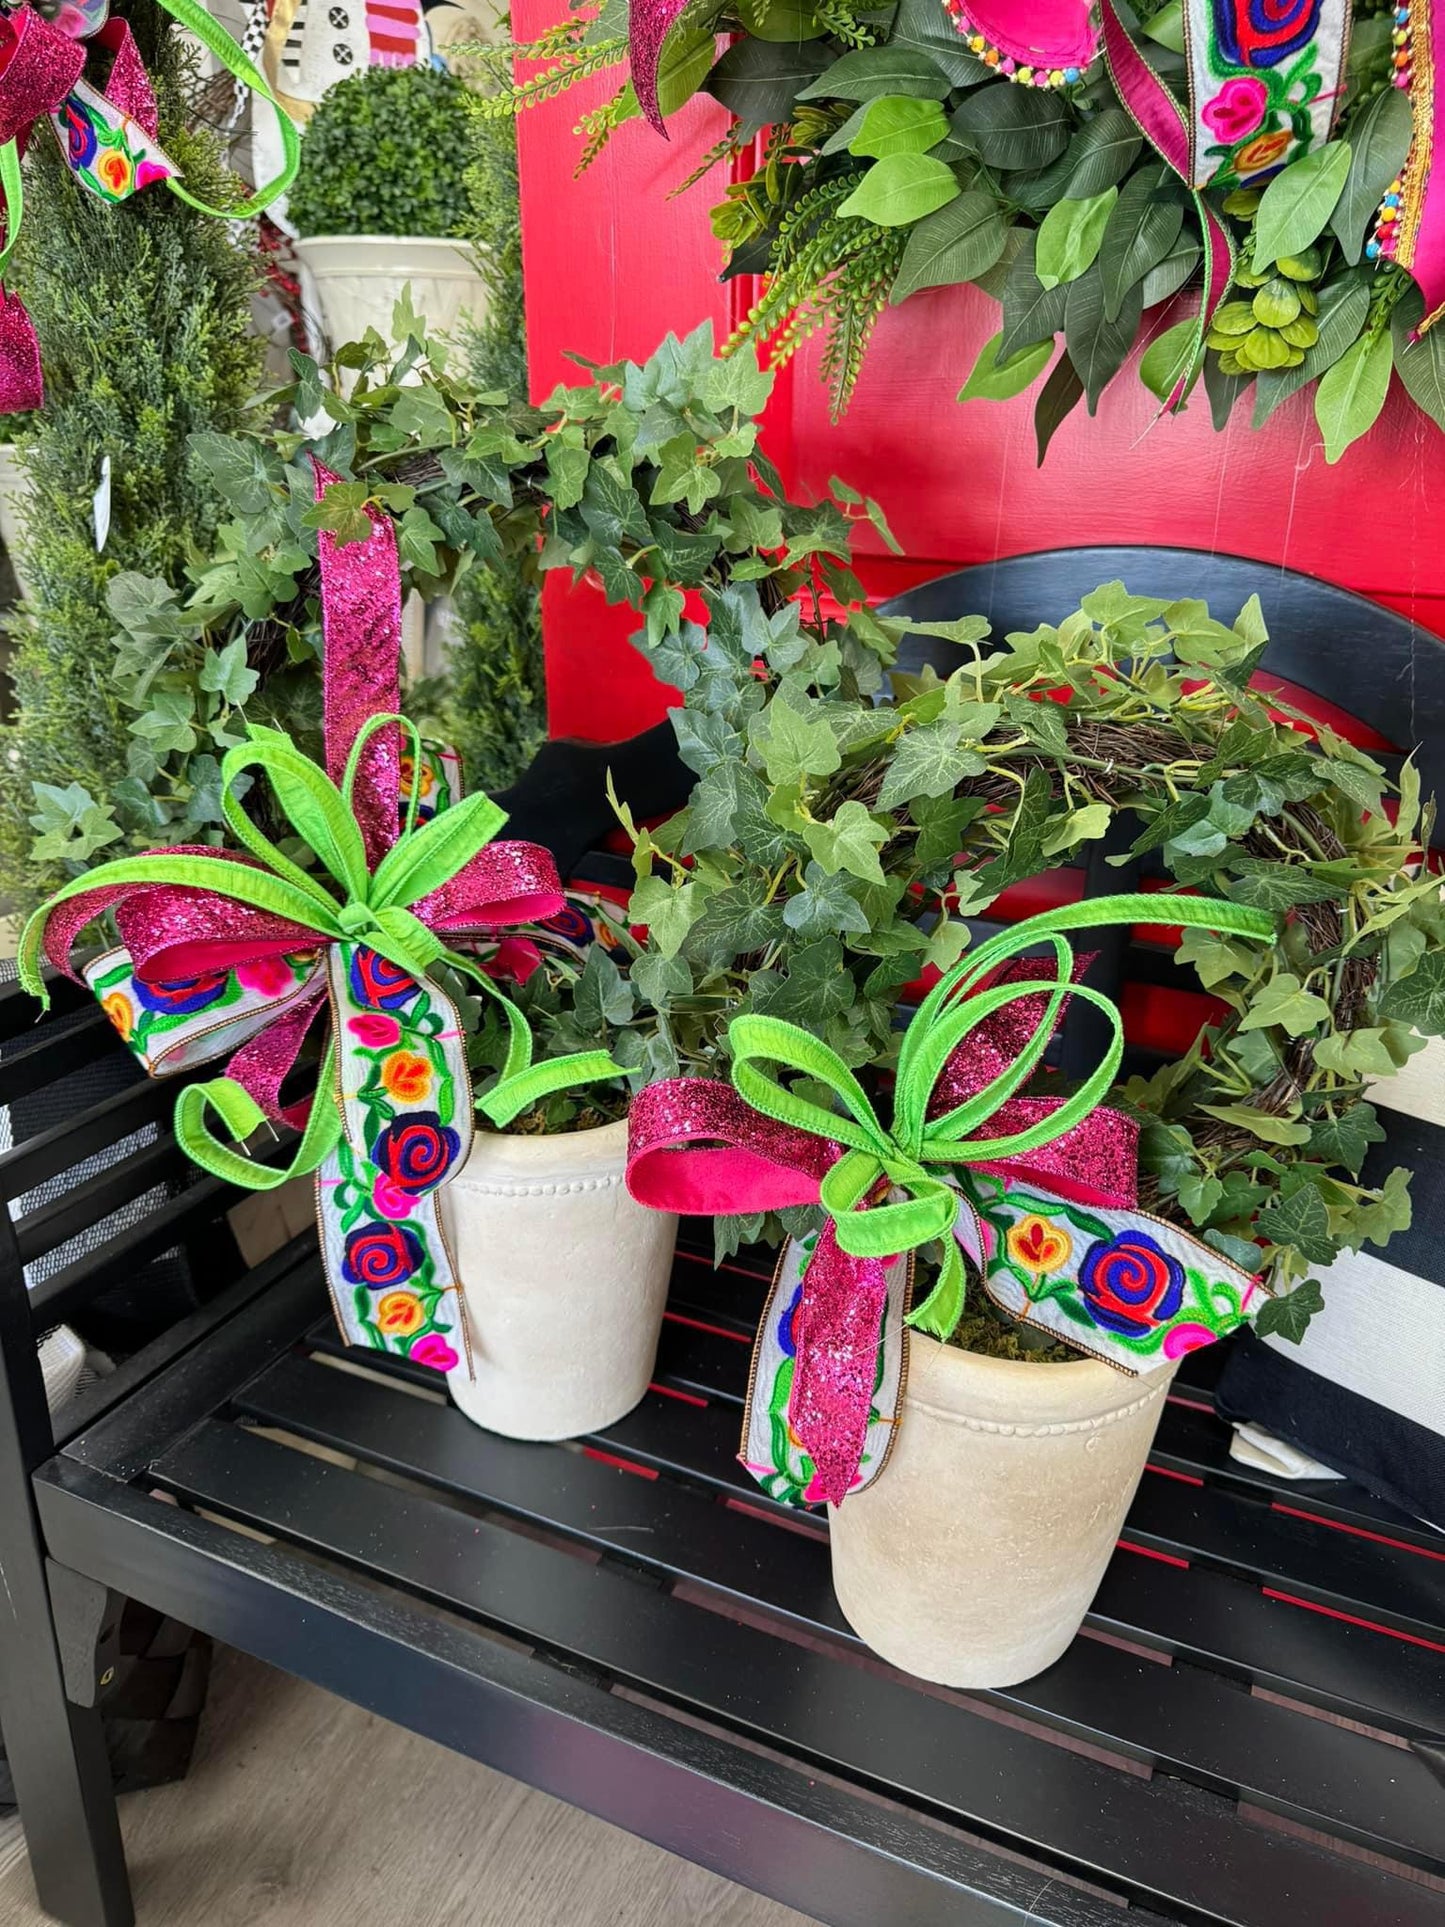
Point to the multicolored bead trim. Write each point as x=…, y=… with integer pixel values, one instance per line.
x=1387, y=223
x=994, y=56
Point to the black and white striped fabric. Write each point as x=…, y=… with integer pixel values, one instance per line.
x=1364, y=1392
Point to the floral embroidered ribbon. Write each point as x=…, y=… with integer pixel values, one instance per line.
x=243, y=953
x=1266, y=80
x=109, y=137
x=1038, y=1192
x=1411, y=226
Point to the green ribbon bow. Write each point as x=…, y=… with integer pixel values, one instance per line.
x=879, y=1162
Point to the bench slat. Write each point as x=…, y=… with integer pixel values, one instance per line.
x=857, y=1721
x=1194, y=1723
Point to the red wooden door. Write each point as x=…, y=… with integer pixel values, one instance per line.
x=612, y=264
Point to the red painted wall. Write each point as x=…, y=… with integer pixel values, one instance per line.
x=612, y=264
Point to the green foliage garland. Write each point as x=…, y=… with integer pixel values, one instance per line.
x=144, y=323
x=386, y=153
x=892, y=159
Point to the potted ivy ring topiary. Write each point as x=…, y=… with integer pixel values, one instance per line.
x=379, y=202
x=977, y=1408
x=564, y=1277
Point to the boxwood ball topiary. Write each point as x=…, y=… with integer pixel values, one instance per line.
x=386, y=152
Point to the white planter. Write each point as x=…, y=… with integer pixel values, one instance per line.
x=14, y=493
x=564, y=1280
x=357, y=278
x=974, y=1556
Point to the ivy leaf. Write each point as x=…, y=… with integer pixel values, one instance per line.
x=817, y=986
x=704, y=740
x=1286, y=1003
x=72, y=825
x=1350, y=395
x=850, y=842
x=566, y=472
x=1199, y=1195
x=1345, y=1139
x=244, y=474
x=224, y=673
x=1298, y=203
x=1070, y=237
x=416, y=540
x=900, y=189
x=1214, y=958
x=1375, y=1220
x=1301, y=1221
x=1419, y=999
x=342, y=510
x=1277, y=886
x=826, y=902
x=660, y=980
x=941, y=823
x=992, y=380
x=668, y=912
x=928, y=762
x=958, y=243
x=1264, y=1125
x=601, y=994
x=1288, y=1316
x=796, y=747
x=734, y=922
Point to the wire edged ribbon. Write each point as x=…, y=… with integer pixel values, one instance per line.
x=1039, y=1192
x=108, y=135
x=242, y=953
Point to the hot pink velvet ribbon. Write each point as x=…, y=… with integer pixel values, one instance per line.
x=1163, y=123
x=695, y=1146
x=175, y=933
x=39, y=65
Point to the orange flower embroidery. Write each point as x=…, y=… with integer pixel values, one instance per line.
x=406, y=1076
x=400, y=1313
x=114, y=170
x=1039, y=1245
x=117, y=1007
x=425, y=786
x=1263, y=151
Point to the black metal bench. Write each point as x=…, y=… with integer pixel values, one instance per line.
x=1250, y=1731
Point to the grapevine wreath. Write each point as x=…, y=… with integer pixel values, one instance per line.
x=1132, y=719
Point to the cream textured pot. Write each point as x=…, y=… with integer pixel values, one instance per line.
x=973, y=1557
x=564, y=1279
x=359, y=276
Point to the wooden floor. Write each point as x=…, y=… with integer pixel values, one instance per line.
x=302, y=1811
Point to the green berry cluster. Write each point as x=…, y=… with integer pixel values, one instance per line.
x=1272, y=323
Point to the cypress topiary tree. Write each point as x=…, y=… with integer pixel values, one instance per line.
x=143, y=316
x=492, y=701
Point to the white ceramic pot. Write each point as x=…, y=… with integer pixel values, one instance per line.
x=564, y=1279
x=358, y=277
x=974, y=1556
x=14, y=493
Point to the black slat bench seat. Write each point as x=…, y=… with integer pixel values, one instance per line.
x=1251, y=1730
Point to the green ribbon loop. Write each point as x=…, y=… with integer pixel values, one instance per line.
x=859, y=1191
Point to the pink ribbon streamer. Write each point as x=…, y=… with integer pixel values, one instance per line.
x=1161, y=120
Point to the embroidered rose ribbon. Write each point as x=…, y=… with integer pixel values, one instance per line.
x=967, y=1161
x=244, y=952
x=109, y=138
